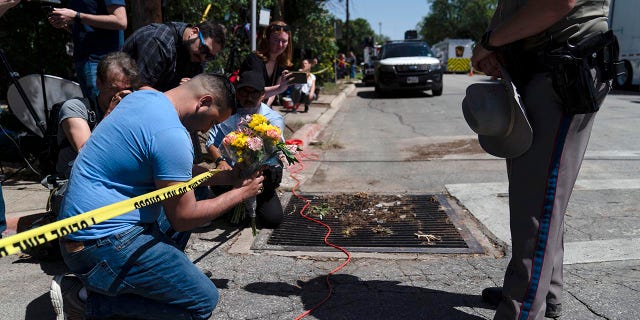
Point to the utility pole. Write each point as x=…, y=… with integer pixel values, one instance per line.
x=347, y=37
x=254, y=25
x=380, y=30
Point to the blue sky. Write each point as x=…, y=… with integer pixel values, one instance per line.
x=396, y=16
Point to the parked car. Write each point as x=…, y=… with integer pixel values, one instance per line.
x=407, y=65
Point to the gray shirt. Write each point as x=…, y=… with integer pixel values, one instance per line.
x=72, y=108
x=587, y=17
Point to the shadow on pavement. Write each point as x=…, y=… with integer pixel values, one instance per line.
x=40, y=308
x=356, y=299
x=619, y=92
x=393, y=95
x=51, y=267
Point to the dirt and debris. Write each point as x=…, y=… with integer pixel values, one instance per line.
x=363, y=211
x=439, y=150
x=428, y=238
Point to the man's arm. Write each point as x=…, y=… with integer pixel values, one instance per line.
x=532, y=18
x=116, y=19
x=77, y=132
x=185, y=213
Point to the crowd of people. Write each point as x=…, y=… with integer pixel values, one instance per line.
x=144, y=144
x=144, y=97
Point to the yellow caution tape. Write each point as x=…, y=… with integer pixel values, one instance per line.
x=34, y=237
x=321, y=71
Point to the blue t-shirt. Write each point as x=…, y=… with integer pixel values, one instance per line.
x=219, y=131
x=141, y=141
x=90, y=42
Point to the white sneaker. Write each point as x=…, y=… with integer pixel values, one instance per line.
x=64, y=297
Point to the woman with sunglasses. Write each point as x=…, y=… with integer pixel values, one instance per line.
x=272, y=57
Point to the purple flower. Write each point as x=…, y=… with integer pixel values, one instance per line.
x=255, y=143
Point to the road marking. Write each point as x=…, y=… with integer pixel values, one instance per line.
x=489, y=203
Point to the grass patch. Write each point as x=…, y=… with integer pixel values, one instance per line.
x=331, y=88
x=328, y=145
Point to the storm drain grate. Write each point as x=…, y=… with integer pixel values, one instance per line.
x=371, y=223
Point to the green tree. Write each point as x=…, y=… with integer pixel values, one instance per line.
x=456, y=19
x=32, y=45
x=313, y=36
x=311, y=24
x=359, y=29
x=309, y=21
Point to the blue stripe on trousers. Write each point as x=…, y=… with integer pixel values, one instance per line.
x=545, y=219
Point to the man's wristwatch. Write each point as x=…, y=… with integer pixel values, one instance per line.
x=218, y=160
x=484, y=42
x=77, y=17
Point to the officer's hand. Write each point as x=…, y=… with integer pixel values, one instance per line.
x=489, y=65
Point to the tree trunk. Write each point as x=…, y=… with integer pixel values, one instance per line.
x=144, y=12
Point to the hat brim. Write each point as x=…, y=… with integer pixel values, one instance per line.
x=519, y=140
x=250, y=85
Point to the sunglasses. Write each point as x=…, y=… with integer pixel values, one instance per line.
x=277, y=28
x=204, y=49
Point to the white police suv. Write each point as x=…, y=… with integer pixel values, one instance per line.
x=407, y=65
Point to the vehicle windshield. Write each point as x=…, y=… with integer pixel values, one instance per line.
x=406, y=50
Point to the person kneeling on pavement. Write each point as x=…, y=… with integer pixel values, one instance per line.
x=250, y=94
x=128, y=266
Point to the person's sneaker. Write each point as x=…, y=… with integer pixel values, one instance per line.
x=493, y=296
x=64, y=297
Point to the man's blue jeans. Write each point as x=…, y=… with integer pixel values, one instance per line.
x=87, y=73
x=140, y=273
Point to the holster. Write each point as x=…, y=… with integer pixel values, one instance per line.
x=582, y=73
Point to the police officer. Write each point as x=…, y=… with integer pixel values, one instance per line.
x=523, y=36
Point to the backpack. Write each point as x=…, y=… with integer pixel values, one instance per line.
x=48, y=162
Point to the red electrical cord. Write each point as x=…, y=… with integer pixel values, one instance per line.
x=294, y=169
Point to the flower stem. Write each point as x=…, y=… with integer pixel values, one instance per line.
x=253, y=225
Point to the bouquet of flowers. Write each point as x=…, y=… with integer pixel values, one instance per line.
x=255, y=143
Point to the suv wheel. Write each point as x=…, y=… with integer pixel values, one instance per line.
x=436, y=92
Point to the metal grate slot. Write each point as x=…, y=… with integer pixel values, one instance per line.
x=372, y=223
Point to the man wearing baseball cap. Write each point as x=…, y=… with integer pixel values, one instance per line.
x=250, y=94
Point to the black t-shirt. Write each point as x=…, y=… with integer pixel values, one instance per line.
x=255, y=63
